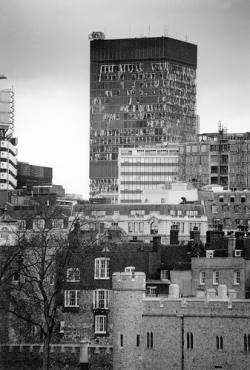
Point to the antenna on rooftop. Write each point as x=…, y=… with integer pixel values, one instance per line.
x=149, y=30
x=186, y=37
x=221, y=128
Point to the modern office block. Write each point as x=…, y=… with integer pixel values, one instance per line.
x=142, y=92
x=31, y=175
x=146, y=169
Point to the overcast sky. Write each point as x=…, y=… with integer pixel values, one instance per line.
x=44, y=51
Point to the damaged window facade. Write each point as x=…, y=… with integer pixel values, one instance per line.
x=142, y=92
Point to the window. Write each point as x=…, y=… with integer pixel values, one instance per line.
x=232, y=198
x=152, y=290
x=236, y=277
x=130, y=227
x=172, y=212
x=121, y=340
x=102, y=268
x=202, y=278
x=243, y=199
x=138, y=340
x=130, y=269
x=190, y=341
x=150, y=339
x=137, y=212
x=39, y=223
x=247, y=342
x=141, y=227
x=221, y=198
x=57, y=224
x=100, y=324
x=101, y=298
x=192, y=213
x=219, y=342
x=209, y=254
x=71, y=298
x=215, y=277
x=214, y=208
x=237, y=252
x=164, y=274
x=73, y=274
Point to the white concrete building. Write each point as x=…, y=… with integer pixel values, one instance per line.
x=146, y=168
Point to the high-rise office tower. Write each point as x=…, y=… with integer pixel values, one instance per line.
x=142, y=92
x=8, y=150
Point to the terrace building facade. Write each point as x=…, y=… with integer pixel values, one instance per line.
x=217, y=158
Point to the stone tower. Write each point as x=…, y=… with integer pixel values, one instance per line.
x=128, y=289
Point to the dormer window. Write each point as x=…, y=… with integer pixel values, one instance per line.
x=73, y=274
x=129, y=269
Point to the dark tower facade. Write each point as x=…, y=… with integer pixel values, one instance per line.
x=142, y=92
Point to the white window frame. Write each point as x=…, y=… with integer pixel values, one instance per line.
x=102, y=268
x=101, y=299
x=237, y=253
x=237, y=277
x=73, y=274
x=71, y=298
x=152, y=290
x=202, y=277
x=100, y=324
x=216, y=275
x=57, y=223
x=164, y=274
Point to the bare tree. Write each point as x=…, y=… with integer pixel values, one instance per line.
x=33, y=294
